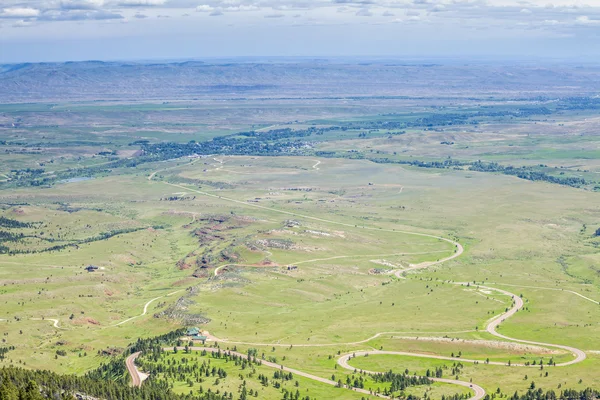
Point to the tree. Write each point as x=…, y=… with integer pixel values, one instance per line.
x=8, y=391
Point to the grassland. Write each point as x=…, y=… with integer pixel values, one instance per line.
x=334, y=297
x=305, y=258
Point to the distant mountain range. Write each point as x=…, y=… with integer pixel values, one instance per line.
x=189, y=80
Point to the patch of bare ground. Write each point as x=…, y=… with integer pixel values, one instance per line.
x=85, y=321
x=516, y=347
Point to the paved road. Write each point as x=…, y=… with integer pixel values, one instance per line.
x=132, y=369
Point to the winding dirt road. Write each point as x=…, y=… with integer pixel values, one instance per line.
x=343, y=361
x=281, y=368
x=478, y=391
x=145, y=311
x=492, y=327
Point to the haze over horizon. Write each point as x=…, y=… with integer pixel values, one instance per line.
x=75, y=30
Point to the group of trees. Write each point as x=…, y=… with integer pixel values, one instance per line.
x=22, y=384
x=13, y=223
x=525, y=172
x=4, y=351
x=6, y=236
x=400, y=382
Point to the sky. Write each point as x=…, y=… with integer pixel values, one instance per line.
x=73, y=30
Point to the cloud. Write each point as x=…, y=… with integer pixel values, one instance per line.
x=251, y=7
x=360, y=2
x=81, y=4
x=78, y=15
x=364, y=12
x=585, y=20
x=140, y=3
x=21, y=24
x=204, y=8
x=275, y=15
x=140, y=16
x=387, y=14
x=216, y=13
x=20, y=12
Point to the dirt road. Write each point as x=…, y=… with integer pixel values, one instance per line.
x=478, y=394
x=491, y=326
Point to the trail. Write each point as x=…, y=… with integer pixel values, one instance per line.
x=282, y=368
x=458, y=247
x=478, y=391
x=218, y=269
x=146, y=308
x=55, y=322
x=173, y=167
x=316, y=166
x=226, y=341
x=547, y=288
x=491, y=326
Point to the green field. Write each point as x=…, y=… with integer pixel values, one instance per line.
x=302, y=256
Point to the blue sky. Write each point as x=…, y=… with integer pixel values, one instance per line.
x=57, y=30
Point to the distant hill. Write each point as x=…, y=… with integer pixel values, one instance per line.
x=97, y=80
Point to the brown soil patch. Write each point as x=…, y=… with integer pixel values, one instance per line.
x=85, y=320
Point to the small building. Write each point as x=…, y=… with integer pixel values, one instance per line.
x=91, y=268
x=200, y=338
x=192, y=331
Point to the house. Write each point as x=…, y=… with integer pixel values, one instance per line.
x=192, y=331
x=91, y=268
x=200, y=338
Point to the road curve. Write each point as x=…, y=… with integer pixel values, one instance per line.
x=458, y=247
x=282, y=368
x=136, y=379
x=492, y=327
x=145, y=311
x=478, y=391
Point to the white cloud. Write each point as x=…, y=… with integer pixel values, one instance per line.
x=21, y=24
x=204, y=8
x=250, y=7
x=364, y=12
x=140, y=3
x=81, y=4
x=585, y=20
x=20, y=12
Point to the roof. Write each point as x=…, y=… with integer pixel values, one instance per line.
x=199, y=337
x=192, y=331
